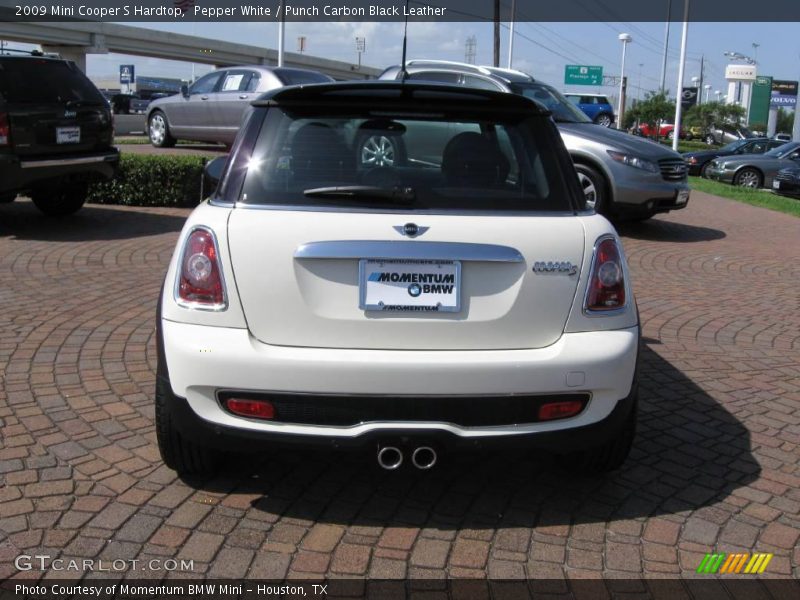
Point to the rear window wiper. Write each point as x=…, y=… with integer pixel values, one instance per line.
x=395, y=195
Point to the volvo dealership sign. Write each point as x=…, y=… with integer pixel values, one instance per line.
x=784, y=93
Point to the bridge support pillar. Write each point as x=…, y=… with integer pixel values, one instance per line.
x=76, y=54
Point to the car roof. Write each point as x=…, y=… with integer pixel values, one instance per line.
x=584, y=94
x=504, y=75
x=392, y=95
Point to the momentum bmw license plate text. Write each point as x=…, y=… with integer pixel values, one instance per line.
x=410, y=285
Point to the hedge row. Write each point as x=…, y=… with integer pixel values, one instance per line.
x=152, y=180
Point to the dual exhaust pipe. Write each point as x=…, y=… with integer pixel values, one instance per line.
x=391, y=457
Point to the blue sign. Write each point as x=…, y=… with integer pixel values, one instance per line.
x=126, y=74
x=784, y=93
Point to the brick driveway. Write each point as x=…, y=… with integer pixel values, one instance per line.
x=716, y=465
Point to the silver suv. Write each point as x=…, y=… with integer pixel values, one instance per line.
x=621, y=175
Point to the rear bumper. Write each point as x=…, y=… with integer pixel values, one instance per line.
x=19, y=174
x=201, y=361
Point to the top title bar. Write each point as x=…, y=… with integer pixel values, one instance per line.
x=398, y=10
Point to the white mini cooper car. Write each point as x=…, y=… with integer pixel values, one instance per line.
x=462, y=296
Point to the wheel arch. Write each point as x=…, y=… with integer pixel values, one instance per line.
x=579, y=158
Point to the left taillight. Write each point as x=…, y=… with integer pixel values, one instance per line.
x=606, y=291
x=5, y=130
x=200, y=284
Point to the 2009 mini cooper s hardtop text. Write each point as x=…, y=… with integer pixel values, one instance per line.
x=460, y=293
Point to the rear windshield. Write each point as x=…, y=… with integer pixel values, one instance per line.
x=401, y=161
x=43, y=81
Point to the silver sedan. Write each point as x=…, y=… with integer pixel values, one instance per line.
x=211, y=109
x=754, y=170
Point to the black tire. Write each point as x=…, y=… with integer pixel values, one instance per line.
x=748, y=177
x=158, y=130
x=61, y=201
x=710, y=140
x=704, y=170
x=595, y=187
x=8, y=197
x=178, y=453
x=375, y=150
x=607, y=457
x=671, y=135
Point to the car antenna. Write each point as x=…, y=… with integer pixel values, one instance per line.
x=403, y=72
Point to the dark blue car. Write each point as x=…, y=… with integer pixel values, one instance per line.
x=594, y=106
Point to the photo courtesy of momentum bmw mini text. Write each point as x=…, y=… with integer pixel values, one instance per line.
x=399, y=298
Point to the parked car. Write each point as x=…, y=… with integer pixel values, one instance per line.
x=787, y=182
x=698, y=161
x=211, y=109
x=595, y=106
x=755, y=170
x=464, y=295
x=726, y=133
x=665, y=130
x=784, y=137
x=620, y=174
x=56, y=133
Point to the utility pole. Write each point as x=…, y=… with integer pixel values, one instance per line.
x=496, y=33
x=511, y=33
x=666, y=47
x=700, y=85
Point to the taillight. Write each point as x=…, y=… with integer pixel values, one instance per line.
x=607, y=280
x=5, y=130
x=200, y=283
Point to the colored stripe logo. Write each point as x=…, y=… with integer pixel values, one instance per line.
x=750, y=564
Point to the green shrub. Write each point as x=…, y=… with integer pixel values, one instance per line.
x=152, y=180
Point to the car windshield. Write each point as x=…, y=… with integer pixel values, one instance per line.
x=783, y=150
x=305, y=157
x=733, y=146
x=56, y=81
x=563, y=110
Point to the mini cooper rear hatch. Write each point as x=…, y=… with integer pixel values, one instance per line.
x=462, y=296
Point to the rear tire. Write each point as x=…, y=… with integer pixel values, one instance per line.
x=61, y=201
x=710, y=140
x=604, y=120
x=178, y=453
x=608, y=456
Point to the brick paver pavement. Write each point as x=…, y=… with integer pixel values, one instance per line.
x=715, y=464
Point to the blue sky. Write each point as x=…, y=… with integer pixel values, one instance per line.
x=541, y=49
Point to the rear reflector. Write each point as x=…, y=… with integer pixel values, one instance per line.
x=257, y=409
x=5, y=130
x=559, y=410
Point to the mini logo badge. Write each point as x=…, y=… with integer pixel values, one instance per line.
x=410, y=229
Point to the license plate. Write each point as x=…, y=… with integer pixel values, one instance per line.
x=410, y=285
x=68, y=135
x=683, y=197
x=776, y=185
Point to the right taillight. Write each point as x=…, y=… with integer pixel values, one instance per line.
x=606, y=289
x=200, y=283
x=5, y=130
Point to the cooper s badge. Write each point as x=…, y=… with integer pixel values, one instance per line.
x=558, y=267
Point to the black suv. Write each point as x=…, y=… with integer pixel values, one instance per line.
x=56, y=132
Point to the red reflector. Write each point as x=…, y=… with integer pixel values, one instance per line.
x=258, y=409
x=5, y=130
x=559, y=410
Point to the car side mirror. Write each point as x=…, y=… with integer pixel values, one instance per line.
x=794, y=156
x=185, y=90
x=213, y=172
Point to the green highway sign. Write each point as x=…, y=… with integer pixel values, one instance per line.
x=583, y=75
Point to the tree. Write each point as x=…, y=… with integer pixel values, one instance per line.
x=785, y=121
x=712, y=113
x=654, y=109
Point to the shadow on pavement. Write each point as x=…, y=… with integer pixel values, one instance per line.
x=94, y=222
x=689, y=453
x=656, y=230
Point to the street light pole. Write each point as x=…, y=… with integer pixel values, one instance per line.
x=511, y=33
x=666, y=47
x=625, y=38
x=281, y=31
x=681, y=67
x=708, y=91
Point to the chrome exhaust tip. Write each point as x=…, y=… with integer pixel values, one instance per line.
x=424, y=457
x=390, y=458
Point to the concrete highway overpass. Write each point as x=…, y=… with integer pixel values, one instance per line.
x=74, y=41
